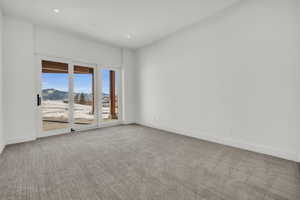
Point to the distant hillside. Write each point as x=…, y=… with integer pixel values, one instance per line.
x=53, y=94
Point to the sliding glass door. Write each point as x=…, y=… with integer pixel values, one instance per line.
x=76, y=96
x=84, y=96
x=110, y=98
x=55, y=96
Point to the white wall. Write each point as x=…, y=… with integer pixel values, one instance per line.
x=19, y=81
x=129, y=86
x=233, y=79
x=61, y=44
x=2, y=142
x=22, y=43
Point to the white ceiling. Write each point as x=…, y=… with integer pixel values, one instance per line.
x=112, y=20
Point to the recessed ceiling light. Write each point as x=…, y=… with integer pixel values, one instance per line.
x=56, y=10
x=129, y=36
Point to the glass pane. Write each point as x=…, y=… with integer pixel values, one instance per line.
x=109, y=100
x=84, y=109
x=55, y=105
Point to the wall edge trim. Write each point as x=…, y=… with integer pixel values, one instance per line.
x=230, y=142
x=2, y=146
x=20, y=140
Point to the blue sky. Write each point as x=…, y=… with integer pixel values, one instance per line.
x=82, y=82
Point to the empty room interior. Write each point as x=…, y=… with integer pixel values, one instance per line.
x=149, y=99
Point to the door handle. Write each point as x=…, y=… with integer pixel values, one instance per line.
x=39, y=100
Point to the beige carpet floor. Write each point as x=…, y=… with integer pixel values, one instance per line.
x=135, y=162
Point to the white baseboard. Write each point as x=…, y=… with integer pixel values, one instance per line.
x=128, y=122
x=19, y=140
x=230, y=142
x=2, y=146
x=32, y=138
x=204, y=136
